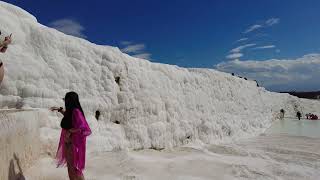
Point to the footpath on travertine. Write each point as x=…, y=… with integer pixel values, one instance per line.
x=268, y=156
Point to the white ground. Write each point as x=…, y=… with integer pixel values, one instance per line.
x=264, y=157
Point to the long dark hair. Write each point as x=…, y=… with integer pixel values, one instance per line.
x=71, y=102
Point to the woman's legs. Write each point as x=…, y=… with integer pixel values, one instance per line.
x=68, y=153
x=80, y=177
x=72, y=172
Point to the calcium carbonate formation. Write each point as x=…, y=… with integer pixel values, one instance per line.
x=142, y=104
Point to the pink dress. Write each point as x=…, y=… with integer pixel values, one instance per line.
x=78, y=143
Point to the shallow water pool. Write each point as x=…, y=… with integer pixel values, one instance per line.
x=290, y=126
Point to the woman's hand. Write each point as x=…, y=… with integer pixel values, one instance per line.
x=54, y=108
x=7, y=40
x=74, y=130
x=59, y=109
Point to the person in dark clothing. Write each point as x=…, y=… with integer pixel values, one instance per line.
x=97, y=115
x=299, y=115
x=281, y=113
x=257, y=83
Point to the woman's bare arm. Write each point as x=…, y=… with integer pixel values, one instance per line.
x=59, y=109
x=74, y=130
x=6, y=41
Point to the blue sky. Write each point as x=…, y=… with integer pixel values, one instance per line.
x=189, y=33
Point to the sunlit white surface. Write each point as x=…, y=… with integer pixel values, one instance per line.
x=158, y=107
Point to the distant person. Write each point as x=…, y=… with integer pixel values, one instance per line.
x=97, y=115
x=72, y=144
x=299, y=115
x=282, y=113
x=307, y=115
x=313, y=117
x=3, y=48
x=257, y=83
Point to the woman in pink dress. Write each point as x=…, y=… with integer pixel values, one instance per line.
x=75, y=129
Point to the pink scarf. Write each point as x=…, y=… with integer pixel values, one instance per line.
x=78, y=141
